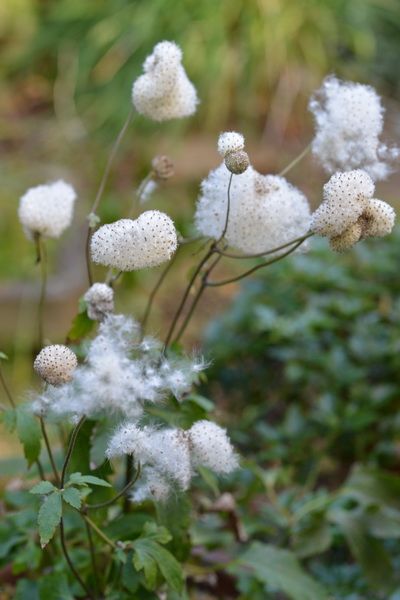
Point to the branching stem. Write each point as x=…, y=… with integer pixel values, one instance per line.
x=49, y=451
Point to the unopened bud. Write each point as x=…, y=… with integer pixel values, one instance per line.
x=163, y=167
x=237, y=162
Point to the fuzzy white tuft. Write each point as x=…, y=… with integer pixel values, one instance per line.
x=100, y=301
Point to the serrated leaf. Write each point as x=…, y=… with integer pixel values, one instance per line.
x=73, y=497
x=43, y=487
x=157, y=533
x=49, y=517
x=281, y=570
x=150, y=556
x=29, y=434
x=79, y=479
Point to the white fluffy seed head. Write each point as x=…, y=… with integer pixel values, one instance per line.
x=265, y=210
x=164, y=91
x=346, y=197
x=347, y=239
x=379, y=219
x=100, y=301
x=47, y=209
x=56, y=364
x=230, y=141
x=210, y=447
x=349, y=120
x=129, y=245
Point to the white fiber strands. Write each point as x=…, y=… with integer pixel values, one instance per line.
x=47, y=209
x=266, y=211
x=348, y=123
x=100, y=301
x=164, y=91
x=129, y=244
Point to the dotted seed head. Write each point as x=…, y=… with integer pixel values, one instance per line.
x=47, y=209
x=230, y=141
x=55, y=364
x=129, y=245
x=164, y=91
x=237, y=162
x=100, y=301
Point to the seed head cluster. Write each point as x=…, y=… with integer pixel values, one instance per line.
x=47, y=209
x=164, y=91
x=231, y=148
x=266, y=211
x=349, y=122
x=170, y=456
x=129, y=244
x=349, y=212
x=56, y=364
x=121, y=373
x=99, y=300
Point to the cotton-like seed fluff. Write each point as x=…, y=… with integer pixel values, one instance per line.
x=129, y=245
x=47, y=209
x=56, y=364
x=164, y=91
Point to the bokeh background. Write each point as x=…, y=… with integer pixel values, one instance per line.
x=67, y=68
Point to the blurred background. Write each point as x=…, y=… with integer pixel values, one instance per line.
x=67, y=68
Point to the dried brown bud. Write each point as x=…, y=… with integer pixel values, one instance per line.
x=163, y=167
x=237, y=162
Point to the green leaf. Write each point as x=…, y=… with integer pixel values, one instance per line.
x=368, y=551
x=73, y=497
x=281, y=570
x=49, y=517
x=369, y=486
x=210, y=479
x=154, y=532
x=79, y=479
x=43, y=487
x=149, y=555
x=80, y=328
x=26, y=590
x=314, y=538
x=29, y=434
x=9, y=418
x=99, y=441
x=54, y=587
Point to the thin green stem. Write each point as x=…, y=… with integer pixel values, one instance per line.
x=96, y=574
x=196, y=299
x=128, y=477
x=228, y=208
x=49, y=451
x=119, y=495
x=295, y=161
x=71, y=446
x=100, y=533
x=102, y=185
x=6, y=388
x=266, y=253
x=182, y=303
x=42, y=259
x=70, y=563
x=40, y=470
x=155, y=289
x=250, y=271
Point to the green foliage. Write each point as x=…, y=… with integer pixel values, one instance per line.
x=49, y=517
x=29, y=433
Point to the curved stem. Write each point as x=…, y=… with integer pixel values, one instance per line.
x=196, y=299
x=70, y=563
x=228, y=208
x=121, y=493
x=295, y=161
x=155, y=289
x=250, y=271
x=100, y=533
x=186, y=294
x=49, y=452
x=261, y=254
x=6, y=388
x=40, y=470
x=95, y=570
x=42, y=259
x=71, y=446
x=102, y=185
